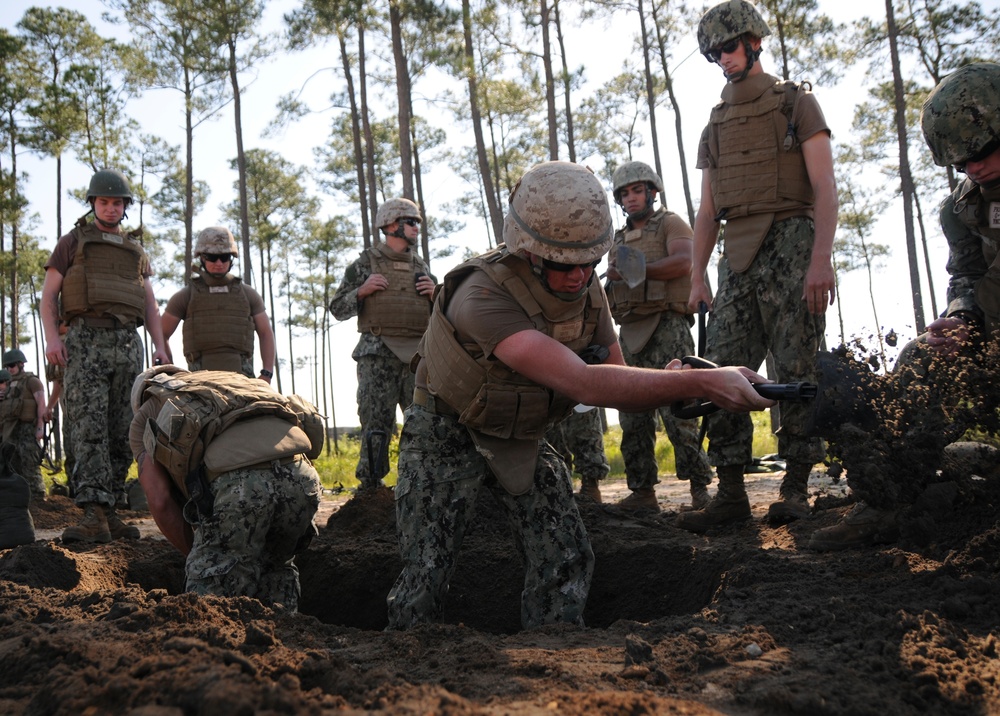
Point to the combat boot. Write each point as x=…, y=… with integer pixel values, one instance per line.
x=729, y=505
x=642, y=499
x=793, y=496
x=700, y=498
x=117, y=528
x=861, y=527
x=92, y=528
x=590, y=490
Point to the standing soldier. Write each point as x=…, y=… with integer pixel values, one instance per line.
x=649, y=280
x=388, y=288
x=99, y=275
x=499, y=363
x=579, y=439
x=220, y=312
x=767, y=170
x=22, y=414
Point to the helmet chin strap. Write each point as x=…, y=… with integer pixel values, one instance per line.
x=117, y=223
x=538, y=270
x=643, y=212
x=752, y=56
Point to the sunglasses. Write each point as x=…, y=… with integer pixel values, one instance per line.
x=566, y=268
x=980, y=155
x=217, y=257
x=728, y=48
x=410, y=222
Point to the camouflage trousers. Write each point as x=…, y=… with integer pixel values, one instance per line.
x=758, y=311
x=579, y=440
x=384, y=382
x=27, y=458
x=440, y=474
x=102, y=365
x=246, y=364
x=261, y=518
x=671, y=339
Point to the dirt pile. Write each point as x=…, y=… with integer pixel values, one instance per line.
x=739, y=621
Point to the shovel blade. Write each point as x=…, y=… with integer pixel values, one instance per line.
x=631, y=264
x=845, y=395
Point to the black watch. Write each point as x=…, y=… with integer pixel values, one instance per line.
x=266, y=373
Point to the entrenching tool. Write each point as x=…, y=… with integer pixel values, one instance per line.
x=377, y=443
x=631, y=264
x=842, y=395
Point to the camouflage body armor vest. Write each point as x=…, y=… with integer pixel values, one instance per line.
x=105, y=278
x=760, y=170
x=653, y=295
x=398, y=310
x=218, y=322
x=19, y=405
x=979, y=211
x=490, y=397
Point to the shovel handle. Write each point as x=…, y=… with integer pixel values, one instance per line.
x=771, y=391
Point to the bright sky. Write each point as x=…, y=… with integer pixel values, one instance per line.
x=697, y=84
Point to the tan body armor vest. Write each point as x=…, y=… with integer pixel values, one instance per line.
x=20, y=404
x=759, y=170
x=653, y=295
x=398, y=310
x=490, y=397
x=218, y=321
x=105, y=278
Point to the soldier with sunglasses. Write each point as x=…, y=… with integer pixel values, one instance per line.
x=767, y=172
x=220, y=312
x=507, y=354
x=389, y=289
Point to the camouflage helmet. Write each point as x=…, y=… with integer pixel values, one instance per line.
x=5, y=376
x=728, y=20
x=109, y=182
x=395, y=209
x=961, y=116
x=13, y=356
x=216, y=240
x=559, y=211
x=632, y=173
x=139, y=386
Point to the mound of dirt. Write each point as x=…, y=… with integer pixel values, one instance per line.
x=742, y=620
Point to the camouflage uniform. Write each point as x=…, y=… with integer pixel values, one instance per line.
x=260, y=519
x=672, y=339
x=761, y=310
x=440, y=474
x=102, y=365
x=27, y=456
x=384, y=380
x=579, y=439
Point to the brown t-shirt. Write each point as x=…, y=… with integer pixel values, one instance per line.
x=62, y=256
x=485, y=314
x=178, y=304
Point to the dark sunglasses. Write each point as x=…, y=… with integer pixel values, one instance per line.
x=728, y=48
x=980, y=155
x=410, y=222
x=566, y=268
x=217, y=257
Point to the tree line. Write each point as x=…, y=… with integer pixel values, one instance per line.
x=503, y=71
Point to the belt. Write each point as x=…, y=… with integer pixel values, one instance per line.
x=435, y=405
x=265, y=465
x=101, y=322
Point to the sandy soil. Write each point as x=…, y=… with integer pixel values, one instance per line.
x=742, y=620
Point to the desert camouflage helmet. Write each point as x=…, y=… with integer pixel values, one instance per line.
x=728, y=20
x=631, y=173
x=559, y=211
x=139, y=386
x=394, y=210
x=109, y=182
x=216, y=240
x=13, y=356
x=5, y=376
x=961, y=116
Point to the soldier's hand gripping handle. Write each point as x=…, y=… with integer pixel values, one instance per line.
x=771, y=391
